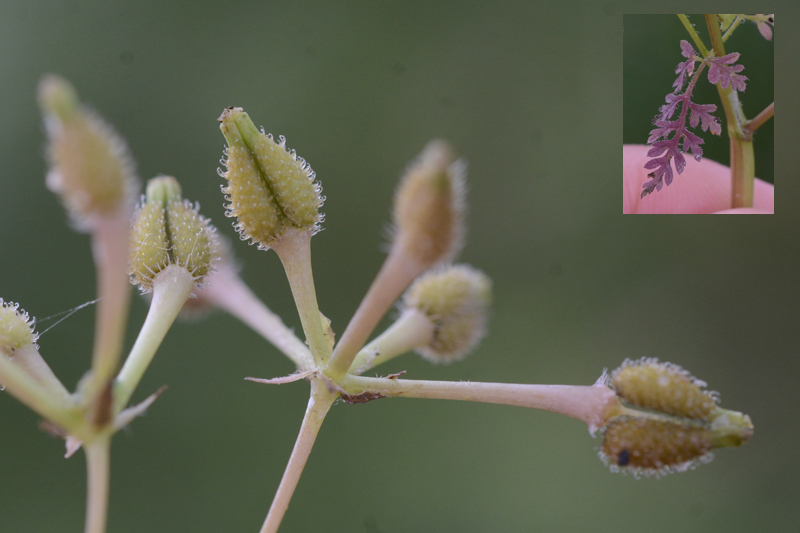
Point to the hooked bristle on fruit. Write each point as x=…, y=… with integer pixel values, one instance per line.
x=429, y=206
x=654, y=447
x=90, y=167
x=168, y=230
x=269, y=188
x=16, y=328
x=664, y=387
x=456, y=300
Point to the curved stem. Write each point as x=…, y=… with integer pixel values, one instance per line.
x=294, y=251
x=227, y=291
x=97, y=476
x=171, y=288
x=318, y=405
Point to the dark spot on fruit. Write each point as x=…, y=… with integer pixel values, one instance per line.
x=624, y=458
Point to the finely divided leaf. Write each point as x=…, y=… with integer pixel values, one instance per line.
x=687, y=50
x=702, y=113
x=722, y=71
x=685, y=68
x=666, y=149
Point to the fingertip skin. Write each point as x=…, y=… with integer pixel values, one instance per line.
x=704, y=187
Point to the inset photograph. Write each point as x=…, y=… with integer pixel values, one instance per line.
x=698, y=104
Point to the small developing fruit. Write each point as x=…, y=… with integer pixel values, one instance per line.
x=456, y=300
x=270, y=189
x=168, y=230
x=429, y=206
x=646, y=446
x=665, y=387
x=90, y=167
x=16, y=328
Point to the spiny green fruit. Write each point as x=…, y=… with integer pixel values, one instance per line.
x=664, y=387
x=456, y=299
x=90, y=167
x=16, y=328
x=168, y=230
x=646, y=446
x=429, y=206
x=269, y=188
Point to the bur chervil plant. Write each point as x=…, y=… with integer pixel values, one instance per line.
x=654, y=418
x=672, y=136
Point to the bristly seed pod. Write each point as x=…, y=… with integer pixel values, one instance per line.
x=429, y=206
x=664, y=387
x=90, y=166
x=672, y=423
x=269, y=188
x=654, y=447
x=167, y=230
x=16, y=328
x=18, y=344
x=456, y=299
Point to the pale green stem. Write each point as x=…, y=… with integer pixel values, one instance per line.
x=742, y=155
x=294, y=251
x=38, y=397
x=110, y=249
x=318, y=405
x=97, y=477
x=744, y=171
x=227, y=291
x=396, y=274
x=412, y=330
x=698, y=42
x=171, y=288
x=735, y=24
x=593, y=404
x=30, y=360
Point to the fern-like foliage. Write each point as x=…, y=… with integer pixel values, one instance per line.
x=665, y=149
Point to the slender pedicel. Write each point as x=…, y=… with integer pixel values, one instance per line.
x=173, y=249
x=275, y=199
x=429, y=229
x=93, y=173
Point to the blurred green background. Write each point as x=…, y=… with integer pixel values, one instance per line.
x=651, y=49
x=531, y=96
